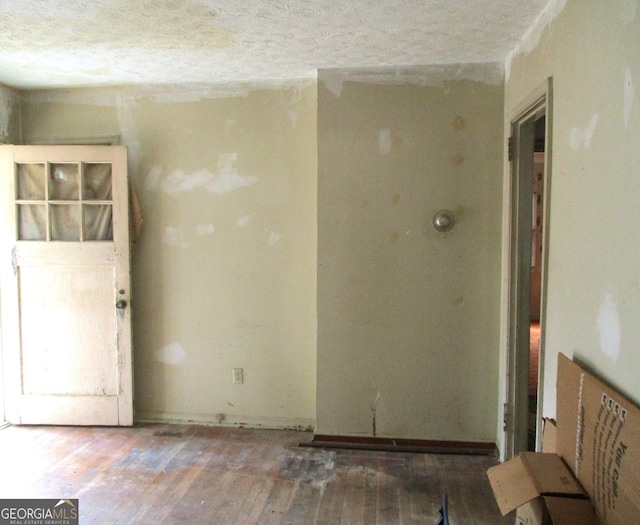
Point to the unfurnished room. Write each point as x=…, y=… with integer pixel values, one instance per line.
x=319, y=261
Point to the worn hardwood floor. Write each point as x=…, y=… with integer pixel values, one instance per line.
x=195, y=474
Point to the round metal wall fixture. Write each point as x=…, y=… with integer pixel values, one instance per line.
x=443, y=220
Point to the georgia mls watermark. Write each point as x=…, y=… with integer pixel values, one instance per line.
x=39, y=512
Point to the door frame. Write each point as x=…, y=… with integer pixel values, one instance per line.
x=517, y=267
x=3, y=412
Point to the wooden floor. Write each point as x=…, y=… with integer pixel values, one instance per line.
x=196, y=474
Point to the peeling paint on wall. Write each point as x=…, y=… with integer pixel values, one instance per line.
x=293, y=118
x=609, y=328
x=175, y=237
x=205, y=229
x=384, y=141
x=628, y=96
x=274, y=238
x=581, y=137
x=178, y=181
x=172, y=354
x=243, y=221
x=227, y=179
x=129, y=132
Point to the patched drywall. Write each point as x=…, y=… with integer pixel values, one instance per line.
x=224, y=272
x=408, y=317
x=590, y=49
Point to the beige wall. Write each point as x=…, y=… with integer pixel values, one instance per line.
x=408, y=318
x=224, y=273
x=9, y=115
x=591, y=49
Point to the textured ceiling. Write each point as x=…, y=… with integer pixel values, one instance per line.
x=67, y=43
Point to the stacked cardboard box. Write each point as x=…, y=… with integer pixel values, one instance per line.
x=596, y=467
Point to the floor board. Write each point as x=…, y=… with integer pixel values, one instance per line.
x=196, y=474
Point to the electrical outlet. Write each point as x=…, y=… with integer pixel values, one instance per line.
x=238, y=376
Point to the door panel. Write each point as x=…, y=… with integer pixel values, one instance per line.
x=64, y=267
x=66, y=315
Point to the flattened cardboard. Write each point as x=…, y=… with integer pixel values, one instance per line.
x=528, y=476
x=598, y=436
x=511, y=485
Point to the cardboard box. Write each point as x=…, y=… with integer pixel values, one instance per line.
x=598, y=436
x=551, y=510
x=542, y=488
x=549, y=436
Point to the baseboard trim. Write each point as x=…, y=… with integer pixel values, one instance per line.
x=225, y=420
x=482, y=448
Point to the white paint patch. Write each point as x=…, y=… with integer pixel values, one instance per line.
x=172, y=354
x=178, y=181
x=274, y=238
x=129, y=132
x=205, y=229
x=376, y=400
x=175, y=237
x=384, y=141
x=243, y=221
x=628, y=96
x=609, y=328
x=581, y=137
x=226, y=180
x=293, y=118
x=152, y=181
x=532, y=36
x=333, y=81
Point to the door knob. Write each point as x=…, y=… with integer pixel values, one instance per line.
x=121, y=304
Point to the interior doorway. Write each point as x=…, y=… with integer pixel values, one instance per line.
x=530, y=180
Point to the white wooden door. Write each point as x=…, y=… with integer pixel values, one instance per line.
x=65, y=285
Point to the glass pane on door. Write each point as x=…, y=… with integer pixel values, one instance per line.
x=32, y=222
x=98, y=223
x=31, y=182
x=63, y=182
x=70, y=202
x=65, y=222
x=96, y=185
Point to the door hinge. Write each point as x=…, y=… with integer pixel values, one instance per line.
x=505, y=416
x=510, y=148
